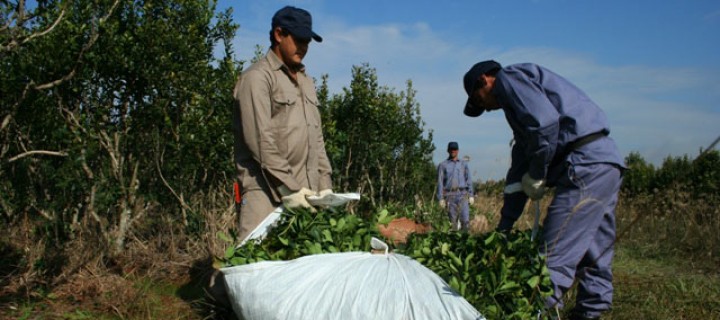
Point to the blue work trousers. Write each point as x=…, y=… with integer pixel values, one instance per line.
x=579, y=233
x=458, y=209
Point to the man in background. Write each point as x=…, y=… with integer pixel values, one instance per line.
x=455, y=189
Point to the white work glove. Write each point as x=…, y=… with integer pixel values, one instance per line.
x=296, y=199
x=471, y=200
x=442, y=204
x=535, y=189
x=324, y=192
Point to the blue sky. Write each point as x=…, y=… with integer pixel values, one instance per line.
x=653, y=66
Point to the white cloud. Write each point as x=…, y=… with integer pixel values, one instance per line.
x=712, y=16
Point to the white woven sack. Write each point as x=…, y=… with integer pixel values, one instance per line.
x=347, y=286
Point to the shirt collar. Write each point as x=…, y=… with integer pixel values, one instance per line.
x=277, y=64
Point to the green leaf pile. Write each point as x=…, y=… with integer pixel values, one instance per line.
x=502, y=275
x=301, y=232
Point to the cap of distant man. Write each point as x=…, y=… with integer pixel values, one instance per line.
x=470, y=81
x=453, y=146
x=297, y=22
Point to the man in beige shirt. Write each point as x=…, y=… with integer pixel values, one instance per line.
x=279, y=148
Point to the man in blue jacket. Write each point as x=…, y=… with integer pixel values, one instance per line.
x=561, y=141
x=455, y=189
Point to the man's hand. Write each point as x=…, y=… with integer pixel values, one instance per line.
x=471, y=200
x=535, y=189
x=443, y=204
x=296, y=199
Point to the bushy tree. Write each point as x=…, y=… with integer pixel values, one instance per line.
x=705, y=179
x=376, y=141
x=699, y=176
x=640, y=178
x=674, y=171
x=115, y=108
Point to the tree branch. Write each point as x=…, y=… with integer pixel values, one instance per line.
x=5, y=122
x=46, y=31
x=34, y=152
x=180, y=199
x=20, y=19
x=86, y=47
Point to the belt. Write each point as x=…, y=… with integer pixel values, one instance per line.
x=585, y=140
x=572, y=146
x=456, y=189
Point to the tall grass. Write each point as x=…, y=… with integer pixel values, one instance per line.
x=672, y=223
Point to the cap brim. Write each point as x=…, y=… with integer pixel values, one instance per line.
x=305, y=33
x=316, y=37
x=471, y=110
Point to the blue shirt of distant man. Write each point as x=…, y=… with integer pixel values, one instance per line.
x=455, y=189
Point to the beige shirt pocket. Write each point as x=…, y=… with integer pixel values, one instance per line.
x=283, y=106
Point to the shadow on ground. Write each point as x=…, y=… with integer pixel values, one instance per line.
x=205, y=291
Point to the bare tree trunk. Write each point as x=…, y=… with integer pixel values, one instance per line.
x=381, y=171
x=348, y=164
x=372, y=189
x=127, y=215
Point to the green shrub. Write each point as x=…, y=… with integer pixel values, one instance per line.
x=502, y=275
x=639, y=179
x=301, y=232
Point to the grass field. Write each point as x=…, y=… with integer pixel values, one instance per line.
x=649, y=287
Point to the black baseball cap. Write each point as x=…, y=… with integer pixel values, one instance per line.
x=296, y=21
x=453, y=145
x=470, y=80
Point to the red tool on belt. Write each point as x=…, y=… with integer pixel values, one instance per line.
x=238, y=196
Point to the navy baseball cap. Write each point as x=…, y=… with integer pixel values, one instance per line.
x=296, y=21
x=453, y=145
x=470, y=80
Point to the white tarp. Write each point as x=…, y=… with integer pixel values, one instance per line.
x=347, y=286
